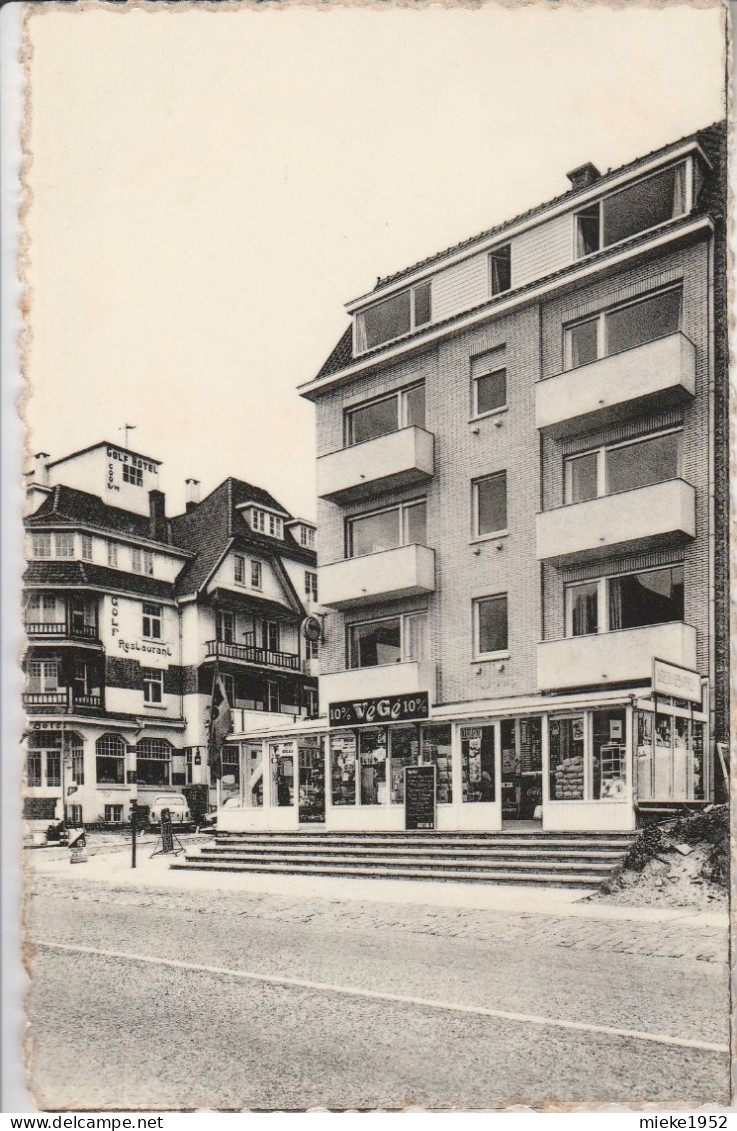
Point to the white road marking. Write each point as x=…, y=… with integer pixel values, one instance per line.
x=400, y=999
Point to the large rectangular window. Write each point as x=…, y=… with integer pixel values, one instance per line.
x=631, y=600
x=390, y=640
x=490, y=505
x=393, y=317
x=385, y=530
x=567, y=759
x=621, y=328
x=623, y=467
x=379, y=417
x=64, y=545
x=437, y=751
x=490, y=625
x=649, y=202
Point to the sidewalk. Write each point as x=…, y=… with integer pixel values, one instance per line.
x=113, y=867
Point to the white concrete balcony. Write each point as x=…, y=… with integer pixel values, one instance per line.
x=657, y=375
x=629, y=521
x=407, y=571
x=613, y=657
x=399, y=459
x=371, y=683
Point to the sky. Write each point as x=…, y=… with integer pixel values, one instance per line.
x=210, y=187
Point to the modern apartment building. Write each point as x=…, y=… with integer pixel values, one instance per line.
x=523, y=515
x=129, y=615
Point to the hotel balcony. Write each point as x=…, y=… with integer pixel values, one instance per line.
x=407, y=571
x=256, y=657
x=658, y=374
x=370, y=683
x=41, y=631
x=624, y=656
x=61, y=700
x=399, y=459
x=631, y=521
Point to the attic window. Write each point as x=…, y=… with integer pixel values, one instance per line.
x=637, y=208
x=264, y=523
x=393, y=317
x=306, y=536
x=500, y=268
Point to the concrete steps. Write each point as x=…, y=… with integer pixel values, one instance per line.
x=573, y=860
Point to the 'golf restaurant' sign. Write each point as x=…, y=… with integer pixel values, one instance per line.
x=387, y=709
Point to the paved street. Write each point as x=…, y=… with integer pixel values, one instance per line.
x=172, y=998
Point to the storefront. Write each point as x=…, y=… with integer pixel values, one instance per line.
x=563, y=763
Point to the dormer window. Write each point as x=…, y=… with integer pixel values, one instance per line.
x=646, y=204
x=393, y=317
x=264, y=523
x=500, y=269
x=307, y=537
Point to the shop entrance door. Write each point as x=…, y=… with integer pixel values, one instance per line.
x=521, y=742
x=311, y=762
x=480, y=807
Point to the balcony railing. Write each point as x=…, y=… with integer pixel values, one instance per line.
x=386, y=463
x=64, y=697
x=59, y=630
x=250, y=654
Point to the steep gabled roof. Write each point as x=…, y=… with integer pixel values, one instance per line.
x=67, y=506
x=209, y=529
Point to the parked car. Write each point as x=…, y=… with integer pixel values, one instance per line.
x=210, y=819
x=177, y=806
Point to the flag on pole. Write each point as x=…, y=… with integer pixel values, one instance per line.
x=219, y=724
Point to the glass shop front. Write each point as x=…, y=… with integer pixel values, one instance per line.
x=574, y=765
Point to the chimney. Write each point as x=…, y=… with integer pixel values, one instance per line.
x=583, y=176
x=192, y=493
x=40, y=471
x=157, y=528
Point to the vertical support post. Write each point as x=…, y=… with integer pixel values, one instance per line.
x=134, y=823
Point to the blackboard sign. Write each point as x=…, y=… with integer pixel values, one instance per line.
x=386, y=709
x=419, y=797
x=167, y=837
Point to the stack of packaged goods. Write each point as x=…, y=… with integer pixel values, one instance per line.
x=569, y=779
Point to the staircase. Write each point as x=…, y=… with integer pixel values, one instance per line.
x=575, y=860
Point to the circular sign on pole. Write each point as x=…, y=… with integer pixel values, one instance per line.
x=312, y=628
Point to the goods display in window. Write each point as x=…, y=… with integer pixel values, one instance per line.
x=568, y=776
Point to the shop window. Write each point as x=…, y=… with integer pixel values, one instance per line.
x=490, y=625
x=500, y=269
x=405, y=751
x=437, y=751
x=253, y=783
x=231, y=771
x=372, y=765
x=282, y=774
x=567, y=759
x=393, y=317
x=110, y=760
x=488, y=382
x=390, y=640
x=151, y=621
x=490, y=505
x=343, y=751
x=153, y=685
x=609, y=764
x=622, y=327
x=385, y=530
x=153, y=761
x=379, y=417
x=478, y=777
